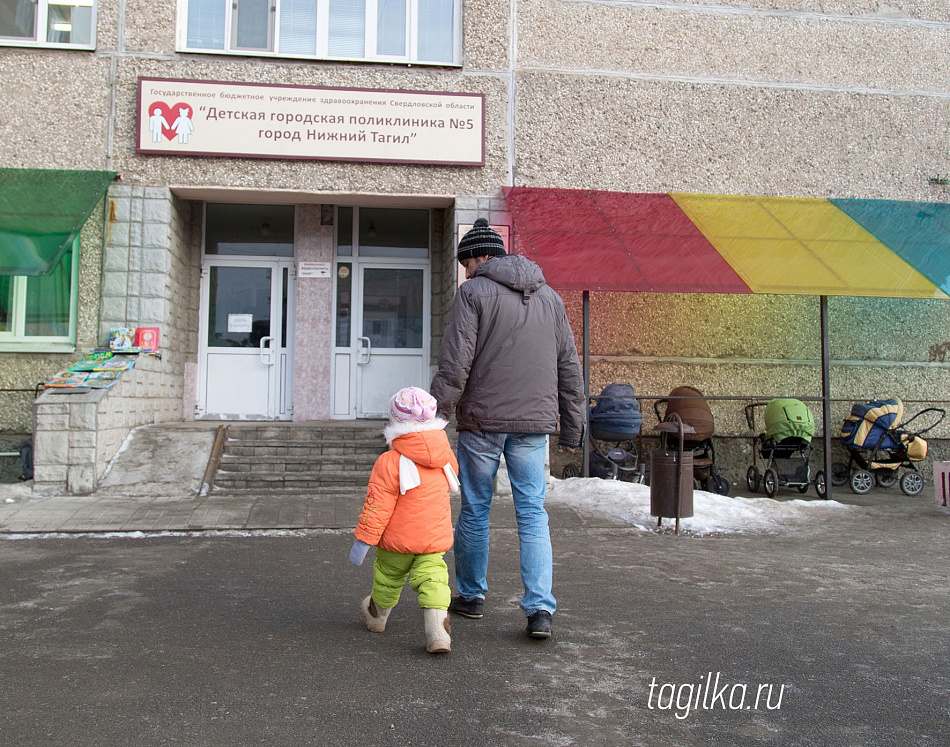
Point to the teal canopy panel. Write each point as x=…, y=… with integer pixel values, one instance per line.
x=918, y=232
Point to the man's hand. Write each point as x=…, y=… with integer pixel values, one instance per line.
x=568, y=449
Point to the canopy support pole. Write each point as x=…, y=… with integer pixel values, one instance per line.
x=826, y=393
x=586, y=468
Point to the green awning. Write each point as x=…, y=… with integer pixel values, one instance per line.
x=41, y=213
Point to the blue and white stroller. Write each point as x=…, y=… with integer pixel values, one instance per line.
x=879, y=445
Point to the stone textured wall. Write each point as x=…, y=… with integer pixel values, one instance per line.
x=78, y=434
x=180, y=333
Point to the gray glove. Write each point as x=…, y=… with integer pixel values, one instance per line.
x=358, y=552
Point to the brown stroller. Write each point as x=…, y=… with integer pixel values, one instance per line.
x=693, y=410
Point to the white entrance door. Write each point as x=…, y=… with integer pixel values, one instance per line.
x=245, y=354
x=392, y=334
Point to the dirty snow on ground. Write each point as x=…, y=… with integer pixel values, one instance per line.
x=16, y=491
x=712, y=513
x=629, y=502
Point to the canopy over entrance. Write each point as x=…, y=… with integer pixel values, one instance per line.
x=683, y=243
x=41, y=213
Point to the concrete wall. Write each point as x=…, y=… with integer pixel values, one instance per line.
x=78, y=434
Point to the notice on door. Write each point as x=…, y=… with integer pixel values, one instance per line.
x=240, y=322
x=213, y=118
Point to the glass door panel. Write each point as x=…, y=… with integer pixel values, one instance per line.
x=239, y=308
x=393, y=308
x=391, y=348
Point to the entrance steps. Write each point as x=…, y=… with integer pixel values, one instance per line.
x=331, y=458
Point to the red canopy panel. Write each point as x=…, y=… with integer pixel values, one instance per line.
x=616, y=241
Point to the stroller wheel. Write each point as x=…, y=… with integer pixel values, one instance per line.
x=820, y=486
x=803, y=488
x=752, y=478
x=716, y=483
x=912, y=483
x=569, y=471
x=862, y=481
x=886, y=480
x=839, y=474
x=770, y=482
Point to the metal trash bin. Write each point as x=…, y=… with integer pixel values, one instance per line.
x=671, y=475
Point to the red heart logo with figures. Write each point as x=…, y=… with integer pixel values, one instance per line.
x=168, y=119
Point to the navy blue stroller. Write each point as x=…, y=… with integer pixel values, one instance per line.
x=613, y=429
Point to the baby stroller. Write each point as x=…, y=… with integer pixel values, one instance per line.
x=613, y=425
x=785, y=448
x=693, y=410
x=878, y=447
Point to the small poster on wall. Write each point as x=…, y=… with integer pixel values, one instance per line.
x=147, y=338
x=122, y=338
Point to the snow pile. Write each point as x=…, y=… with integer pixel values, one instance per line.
x=712, y=513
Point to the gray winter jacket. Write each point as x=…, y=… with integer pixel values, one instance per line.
x=508, y=359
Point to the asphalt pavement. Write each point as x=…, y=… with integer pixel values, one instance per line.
x=222, y=629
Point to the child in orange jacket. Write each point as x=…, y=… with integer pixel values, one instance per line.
x=408, y=517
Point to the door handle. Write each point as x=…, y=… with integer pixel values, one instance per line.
x=365, y=352
x=267, y=353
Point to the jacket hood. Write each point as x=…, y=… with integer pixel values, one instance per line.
x=513, y=271
x=426, y=444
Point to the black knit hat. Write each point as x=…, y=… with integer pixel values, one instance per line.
x=481, y=241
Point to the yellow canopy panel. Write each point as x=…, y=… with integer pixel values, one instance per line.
x=802, y=246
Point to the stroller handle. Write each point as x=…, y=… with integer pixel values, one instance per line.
x=938, y=421
x=656, y=408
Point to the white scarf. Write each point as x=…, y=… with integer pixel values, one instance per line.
x=409, y=476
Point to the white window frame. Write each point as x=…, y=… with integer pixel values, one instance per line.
x=322, y=41
x=15, y=341
x=42, y=24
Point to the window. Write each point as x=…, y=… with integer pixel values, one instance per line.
x=39, y=312
x=383, y=232
x=249, y=230
x=48, y=23
x=425, y=31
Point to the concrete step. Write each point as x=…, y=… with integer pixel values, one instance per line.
x=288, y=458
x=225, y=481
x=230, y=463
x=302, y=449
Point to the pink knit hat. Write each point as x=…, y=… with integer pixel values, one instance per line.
x=412, y=405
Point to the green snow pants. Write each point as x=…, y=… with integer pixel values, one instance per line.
x=428, y=576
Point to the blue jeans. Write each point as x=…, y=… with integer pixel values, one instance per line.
x=479, y=454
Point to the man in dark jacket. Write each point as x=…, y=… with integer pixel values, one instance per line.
x=508, y=367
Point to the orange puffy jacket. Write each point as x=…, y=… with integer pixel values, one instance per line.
x=420, y=521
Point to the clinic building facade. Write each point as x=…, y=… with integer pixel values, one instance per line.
x=292, y=177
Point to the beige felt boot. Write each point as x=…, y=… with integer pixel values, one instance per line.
x=438, y=640
x=374, y=616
